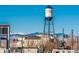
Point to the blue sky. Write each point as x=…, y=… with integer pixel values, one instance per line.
x=31, y=18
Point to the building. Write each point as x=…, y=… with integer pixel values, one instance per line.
x=4, y=36
x=25, y=43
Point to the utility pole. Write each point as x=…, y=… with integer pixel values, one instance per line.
x=22, y=42
x=63, y=38
x=77, y=43
x=72, y=38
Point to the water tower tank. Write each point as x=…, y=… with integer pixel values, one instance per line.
x=48, y=12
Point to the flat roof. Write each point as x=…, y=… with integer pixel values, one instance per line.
x=4, y=25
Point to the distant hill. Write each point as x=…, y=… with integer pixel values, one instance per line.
x=35, y=34
x=57, y=34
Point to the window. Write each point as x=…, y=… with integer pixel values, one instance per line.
x=4, y=30
x=0, y=30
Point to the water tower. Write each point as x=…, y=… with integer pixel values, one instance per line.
x=48, y=22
